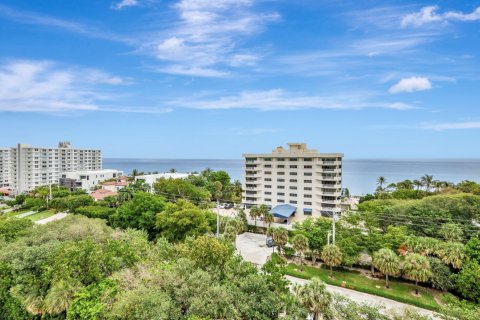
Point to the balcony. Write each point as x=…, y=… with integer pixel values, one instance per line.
x=329, y=163
x=330, y=178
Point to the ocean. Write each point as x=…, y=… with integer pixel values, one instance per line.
x=359, y=175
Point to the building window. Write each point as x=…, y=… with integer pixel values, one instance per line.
x=293, y=167
x=281, y=187
x=307, y=188
x=267, y=192
x=267, y=159
x=268, y=166
x=268, y=179
x=293, y=159
x=307, y=212
x=307, y=196
x=268, y=200
x=280, y=159
x=268, y=172
x=280, y=193
x=308, y=159
x=293, y=202
x=307, y=203
x=281, y=166
x=293, y=180
x=307, y=167
x=280, y=180
x=280, y=201
x=293, y=194
x=307, y=181
x=308, y=174
x=281, y=173
x=268, y=186
x=293, y=188
x=293, y=173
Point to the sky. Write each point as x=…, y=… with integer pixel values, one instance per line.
x=219, y=78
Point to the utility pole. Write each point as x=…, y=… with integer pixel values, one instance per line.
x=333, y=226
x=218, y=217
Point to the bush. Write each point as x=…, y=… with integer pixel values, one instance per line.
x=289, y=252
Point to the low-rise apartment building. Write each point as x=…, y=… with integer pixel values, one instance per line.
x=88, y=179
x=299, y=180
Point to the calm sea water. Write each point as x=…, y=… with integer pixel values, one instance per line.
x=359, y=176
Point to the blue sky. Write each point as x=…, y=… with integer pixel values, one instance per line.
x=215, y=79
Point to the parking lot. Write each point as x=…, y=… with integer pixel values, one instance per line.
x=252, y=247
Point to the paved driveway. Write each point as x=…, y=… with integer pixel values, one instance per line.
x=55, y=217
x=390, y=305
x=252, y=247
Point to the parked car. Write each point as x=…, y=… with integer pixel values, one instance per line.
x=269, y=242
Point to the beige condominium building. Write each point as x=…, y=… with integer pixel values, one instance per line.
x=25, y=167
x=295, y=183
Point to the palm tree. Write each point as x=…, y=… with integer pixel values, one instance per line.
x=280, y=237
x=300, y=244
x=254, y=213
x=268, y=218
x=452, y=253
x=263, y=211
x=418, y=184
x=451, y=232
x=417, y=268
x=381, y=181
x=314, y=297
x=125, y=194
x=427, y=181
x=387, y=262
x=135, y=173
x=332, y=256
x=172, y=170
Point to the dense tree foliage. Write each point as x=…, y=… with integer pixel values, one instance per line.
x=140, y=213
x=182, y=219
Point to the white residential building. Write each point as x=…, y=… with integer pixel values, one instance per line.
x=6, y=172
x=297, y=182
x=88, y=179
x=25, y=167
x=150, y=179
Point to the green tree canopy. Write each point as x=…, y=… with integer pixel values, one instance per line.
x=183, y=219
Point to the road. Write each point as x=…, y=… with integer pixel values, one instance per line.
x=252, y=248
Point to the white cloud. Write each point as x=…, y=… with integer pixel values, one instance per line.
x=33, y=18
x=41, y=86
x=278, y=99
x=430, y=14
x=411, y=84
x=206, y=37
x=125, y=3
x=452, y=125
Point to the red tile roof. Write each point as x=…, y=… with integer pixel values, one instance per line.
x=101, y=194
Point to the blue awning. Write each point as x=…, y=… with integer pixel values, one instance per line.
x=284, y=211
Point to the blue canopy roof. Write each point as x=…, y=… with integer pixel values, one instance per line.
x=283, y=211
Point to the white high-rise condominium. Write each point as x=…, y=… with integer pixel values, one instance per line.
x=299, y=182
x=25, y=167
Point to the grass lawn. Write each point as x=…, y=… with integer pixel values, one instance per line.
x=41, y=215
x=399, y=291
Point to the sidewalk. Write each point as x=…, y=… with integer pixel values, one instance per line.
x=55, y=217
